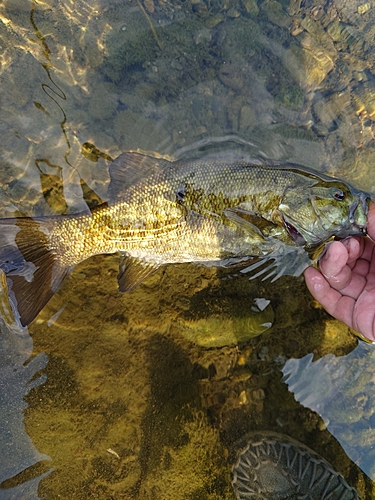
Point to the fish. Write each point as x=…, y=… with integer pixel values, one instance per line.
x=223, y=210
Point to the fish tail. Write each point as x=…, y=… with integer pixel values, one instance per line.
x=33, y=270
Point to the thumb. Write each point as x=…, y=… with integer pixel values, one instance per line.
x=371, y=221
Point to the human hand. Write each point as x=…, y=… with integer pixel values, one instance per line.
x=345, y=284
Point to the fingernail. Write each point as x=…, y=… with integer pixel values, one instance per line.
x=346, y=243
x=324, y=255
x=327, y=254
x=333, y=256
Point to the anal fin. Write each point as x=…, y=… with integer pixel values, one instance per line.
x=133, y=271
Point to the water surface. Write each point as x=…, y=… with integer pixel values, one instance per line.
x=144, y=395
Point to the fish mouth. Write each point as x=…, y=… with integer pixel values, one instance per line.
x=356, y=223
x=293, y=232
x=357, y=209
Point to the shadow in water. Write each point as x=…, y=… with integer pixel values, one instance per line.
x=181, y=455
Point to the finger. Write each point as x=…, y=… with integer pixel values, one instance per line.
x=371, y=221
x=339, y=275
x=354, y=247
x=361, y=251
x=367, y=248
x=364, y=314
x=361, y=268
x=372, y=259
x=339, y=306
x=333, y=265
x=355, y=284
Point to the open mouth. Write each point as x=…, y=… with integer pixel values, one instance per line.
x=294, y=233
x=354, y=218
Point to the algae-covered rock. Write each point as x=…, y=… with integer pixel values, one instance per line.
x=251, y=7
x=276, y=14
x=243, y=38
x=247, y=119
x=363, y=98
x=309, y=68
x=129, y=41
x=218, y=330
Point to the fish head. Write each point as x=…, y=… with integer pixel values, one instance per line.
x=324, y=210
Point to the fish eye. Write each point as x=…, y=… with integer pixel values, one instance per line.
x=339, y=195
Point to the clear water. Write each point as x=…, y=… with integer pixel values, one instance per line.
x=144, y=395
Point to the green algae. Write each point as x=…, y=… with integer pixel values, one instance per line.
x=170, y=409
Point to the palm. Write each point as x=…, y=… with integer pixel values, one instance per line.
x=346, y=285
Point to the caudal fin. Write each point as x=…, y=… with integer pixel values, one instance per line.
x=33, y=272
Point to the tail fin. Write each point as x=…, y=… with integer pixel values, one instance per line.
x=33, y=272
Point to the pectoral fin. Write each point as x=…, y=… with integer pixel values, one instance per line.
x=133, y=271
x=242, y=219
x=284, y=260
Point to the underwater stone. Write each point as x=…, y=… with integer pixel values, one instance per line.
x=202, y=36
x=231, y=76
x=308, y=67
x=214, y=21
x=363, y=99
x=134, y=131
x=276, y=14
x=218, y=330
x=134, y=45
x=319, y=39
x=149, y=6
x=233, y=13
x=247, y=119
x=330, y=108
x=362, y=9
x=251, y=7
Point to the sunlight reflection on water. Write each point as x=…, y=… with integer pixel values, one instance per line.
x=342, y=391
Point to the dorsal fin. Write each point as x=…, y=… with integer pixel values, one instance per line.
x=129, y=169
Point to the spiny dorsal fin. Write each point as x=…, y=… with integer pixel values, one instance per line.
x=33, y=272
x=133, y=271
x=129, y=169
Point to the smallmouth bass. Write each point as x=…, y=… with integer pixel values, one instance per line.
x=218, y=210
